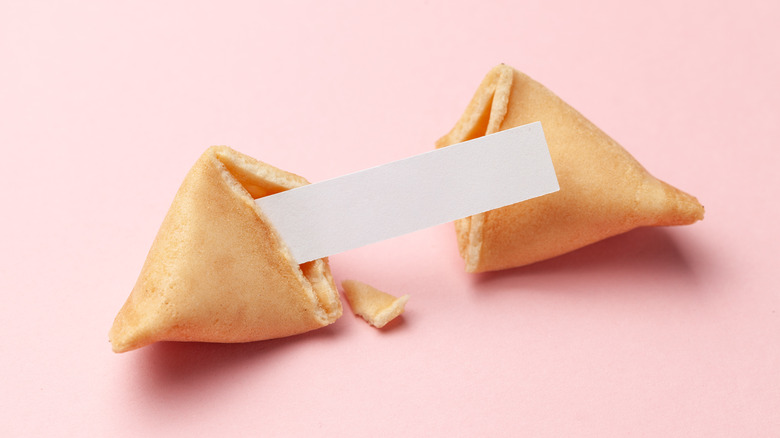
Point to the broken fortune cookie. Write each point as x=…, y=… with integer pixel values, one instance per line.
x=218, y=271
x=603, y=192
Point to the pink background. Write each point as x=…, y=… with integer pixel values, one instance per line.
x=660, y=332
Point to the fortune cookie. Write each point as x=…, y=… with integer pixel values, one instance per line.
x=376, y=307
x=218, y=271
x=604, y=191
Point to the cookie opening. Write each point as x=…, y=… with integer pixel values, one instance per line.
x=258, y=179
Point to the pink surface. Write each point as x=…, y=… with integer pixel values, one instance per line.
x=659, y=332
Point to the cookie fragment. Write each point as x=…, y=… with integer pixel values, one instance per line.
x=376, y=307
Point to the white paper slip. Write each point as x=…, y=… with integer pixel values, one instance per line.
x=429, y=189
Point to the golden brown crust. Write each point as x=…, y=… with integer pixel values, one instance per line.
x=217, y=270
x=604, y=190
x=376, y=307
